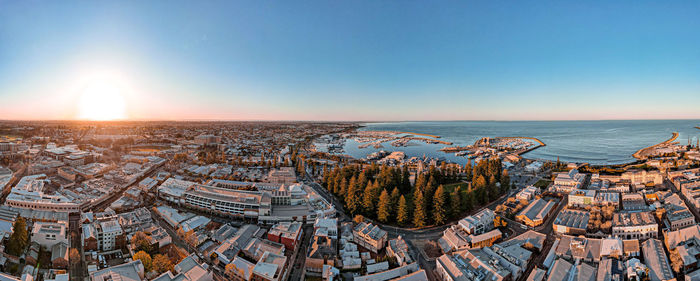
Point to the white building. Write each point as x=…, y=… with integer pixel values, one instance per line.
x=29, y=194
x=107, y=232
x=369, y=236
x=131, y=271
x=635, y=226
x=479, y=223
x=566, y=182
x=527, y=193
x=581, y=198
x=48, y=234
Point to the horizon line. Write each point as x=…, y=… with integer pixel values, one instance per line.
x=338, y=121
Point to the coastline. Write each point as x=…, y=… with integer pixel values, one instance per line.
x=565, y=137
x=640, y=153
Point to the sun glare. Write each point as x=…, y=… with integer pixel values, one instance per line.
x=102, y=101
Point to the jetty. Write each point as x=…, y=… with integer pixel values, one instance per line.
x=419, y=134
x=644, y=152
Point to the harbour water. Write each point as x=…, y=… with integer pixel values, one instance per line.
x=594, y=142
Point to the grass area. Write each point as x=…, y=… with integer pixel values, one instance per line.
x=450, y=187
x=543, y=183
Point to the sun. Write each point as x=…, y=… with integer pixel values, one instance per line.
x=102, y=100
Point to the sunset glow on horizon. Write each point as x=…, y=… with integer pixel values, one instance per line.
x=357, y=60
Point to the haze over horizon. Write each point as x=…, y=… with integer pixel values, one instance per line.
x=349, y=61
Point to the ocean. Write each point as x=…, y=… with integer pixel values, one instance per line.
x=594, y=142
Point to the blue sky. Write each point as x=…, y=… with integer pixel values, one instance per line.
x=355, y=60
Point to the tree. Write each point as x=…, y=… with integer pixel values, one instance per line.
x=162, y=263
x=191, y=238
x=180, y=232
x=505, y=181
x=145, y=260
x=19, y=239
x=352, y=199
x=455, y=202
x=394, y=202
x=479, y=182
x=676, y=261
x=468, y=170
x=358, y=219
x=141, y=241
x=439, y=208
x=74, y=257
x=230, y=271
x=384, y=211
x=419, y=212
x=369, y=200
x=403, y=213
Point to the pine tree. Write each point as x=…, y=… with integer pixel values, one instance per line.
x=505, y=181
x=456, y=202
x=439, y=208
x=343, y=189
x=405, y=179
x=300, y=168
x=468, y=170
x=19, y=239
x=352, y=200
x=420, y=215
x=403, y=213
x=369, y=200
x=479, y=182
x=395, y=198
x=384, y=212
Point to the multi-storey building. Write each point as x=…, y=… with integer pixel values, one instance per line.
x=107, y=234
x=239, y=203
x=581, y=197
x=640, y=226
x=286, y=233
x=527, y=193
x=479, y=223
x=398, y=249
x=48, y=234
x=29, y=194
x=369, y=236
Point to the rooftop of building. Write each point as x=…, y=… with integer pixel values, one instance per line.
x=633, y=219
x=573, y=218
x=538, y=209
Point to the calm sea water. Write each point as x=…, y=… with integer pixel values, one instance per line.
x=595, y=142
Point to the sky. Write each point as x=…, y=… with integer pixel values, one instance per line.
x=351, y=60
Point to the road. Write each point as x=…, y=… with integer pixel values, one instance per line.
x=74, y=225
x=116, y=195
x=299, y=258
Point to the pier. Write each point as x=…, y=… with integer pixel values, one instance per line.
x=420, y=134
x=643, y=153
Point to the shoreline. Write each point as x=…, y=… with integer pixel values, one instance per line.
x=639, y=153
